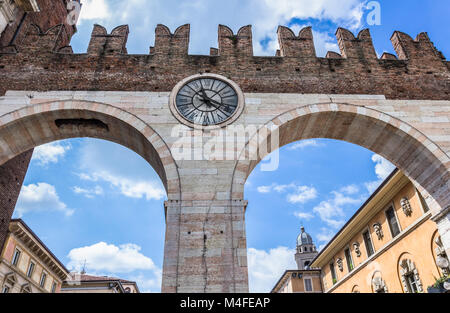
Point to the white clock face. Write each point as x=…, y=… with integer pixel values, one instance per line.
x=207, y=101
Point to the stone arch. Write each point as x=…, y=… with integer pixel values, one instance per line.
x=422, y=161
x=34, y=125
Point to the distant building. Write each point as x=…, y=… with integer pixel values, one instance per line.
x=27, y=265
x=306, y=250
x=82, y=283
x=303, y=280
x=390, y=245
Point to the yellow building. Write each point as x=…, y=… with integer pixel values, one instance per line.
x=27, y=265
x=82, y=283
x=389, y=245
x=299, y=281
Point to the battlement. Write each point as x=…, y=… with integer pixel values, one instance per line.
x=416, y=70
x=237, y=45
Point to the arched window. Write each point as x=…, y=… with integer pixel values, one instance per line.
x=26, y=289
x=355, y=289
x=9, y=282
x=409, y=275
x=378, y=283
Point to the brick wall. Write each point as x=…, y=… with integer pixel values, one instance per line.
x=418, y=72
x=52, y=12
x=12, y=174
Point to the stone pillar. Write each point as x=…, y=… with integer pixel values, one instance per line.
x=442, y=219
x=205, y=248
x=12, y=174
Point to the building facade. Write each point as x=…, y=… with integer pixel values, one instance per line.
x=389, y=246
x=27, y=265
x=83, y=283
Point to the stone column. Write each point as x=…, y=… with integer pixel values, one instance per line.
x=12, y=174
x=205, y=248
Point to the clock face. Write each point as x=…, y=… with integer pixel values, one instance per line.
x=207, y=101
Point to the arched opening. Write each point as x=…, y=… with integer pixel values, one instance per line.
x=401, y=144
x=422, y=161
x=45, y=123
x=39, y=124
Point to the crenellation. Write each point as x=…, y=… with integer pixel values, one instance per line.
x=35, y=40
x=102, y=43
x=360, y=47
x=237, y=45
x=296, y=46
x=167, y=43
x=421, y=52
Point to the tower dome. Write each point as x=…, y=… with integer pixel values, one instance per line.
x=304, y=238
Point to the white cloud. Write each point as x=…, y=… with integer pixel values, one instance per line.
x=325, y=235
x=148, y=283
x=40, y=197
x=304, y=144
x=331, y=211
x=204, y=16
x=304, y=215
x=89, y=193
x=50, y=153
x=103, y=257
x=383, y=168
x=302, y=195
x=94, y=10
x=350, y=189
x=298, y=194
x=128, y=187
x=265, y=268
x=264, y=189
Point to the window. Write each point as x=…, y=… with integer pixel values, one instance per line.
x=43, y=279
x=306, y=265
x=5, y=289
x=30, y=269
x=348, y=257
x=16, y=257
x=308, y=285
x=333, y=273
x=53, y=287
x=392, y=220
x=368, y=243
x=411, y=283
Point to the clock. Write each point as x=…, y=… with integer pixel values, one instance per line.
x=206, y=100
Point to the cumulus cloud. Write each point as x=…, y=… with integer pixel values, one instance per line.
x=50, y=153
x=38, y=198
x=265, y=268
x=204, y=16
x=109, y=258
x=304, y=144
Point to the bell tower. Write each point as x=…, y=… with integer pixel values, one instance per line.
x=306, y=250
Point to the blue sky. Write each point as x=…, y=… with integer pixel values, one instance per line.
x=86, y=203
